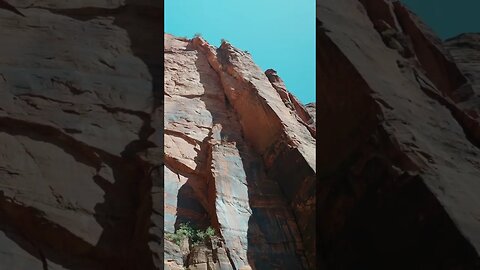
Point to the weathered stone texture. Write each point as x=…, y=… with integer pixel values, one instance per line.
x=80, y=135
x=227, y=134
x=399, y=159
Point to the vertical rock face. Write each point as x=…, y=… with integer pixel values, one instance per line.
x=80, y=135
x=399, y=162
x=465, y=51
x=238, y=158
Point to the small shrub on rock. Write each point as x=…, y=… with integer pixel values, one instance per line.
x=194, y=236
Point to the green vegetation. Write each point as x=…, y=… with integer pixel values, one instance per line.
x=194, y=236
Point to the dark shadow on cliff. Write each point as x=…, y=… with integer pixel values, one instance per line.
x=47, y=235
x=36, y=235
x=119, y=215
x=145, y=30
x=144, y=26
x=190, y=207
x=377, y=219
x=374, y=209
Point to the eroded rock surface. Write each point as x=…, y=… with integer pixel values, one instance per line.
x=80, y=135
x=238, y=158
x=465, y=51
x=399, y=159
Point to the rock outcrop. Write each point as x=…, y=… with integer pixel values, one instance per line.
x=96, y=165
x=239, y=157
x=465, y=52
x=81, y=135
x=399, y=138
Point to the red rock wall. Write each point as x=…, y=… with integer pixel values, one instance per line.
x=96, y=165
x=80, y=136
x=228, y=140
x=399, y=159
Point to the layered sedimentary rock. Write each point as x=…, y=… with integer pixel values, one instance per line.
x=238, y=158
x=80, y=135
x=399, y=157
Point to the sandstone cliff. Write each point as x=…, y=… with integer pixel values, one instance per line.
x=85, y=133
x=399, y=156
x=81, y=135
x=240, y=157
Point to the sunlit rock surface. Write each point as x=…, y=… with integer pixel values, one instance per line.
x=237, y=158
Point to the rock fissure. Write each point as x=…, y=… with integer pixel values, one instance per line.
x=471, y=128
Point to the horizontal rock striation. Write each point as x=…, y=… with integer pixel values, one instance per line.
x=80, y=135
x=399, y=158
x=237, y=158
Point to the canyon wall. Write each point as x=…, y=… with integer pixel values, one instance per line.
x=239, y=157
x=399, y=138
x=96, y=165
x=81, y=135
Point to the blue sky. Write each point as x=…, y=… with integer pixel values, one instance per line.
x=278, y=34
x=448, y=18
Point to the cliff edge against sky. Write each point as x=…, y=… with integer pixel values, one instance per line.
x=97, y=164
x=239, y=157
x=398, y=139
